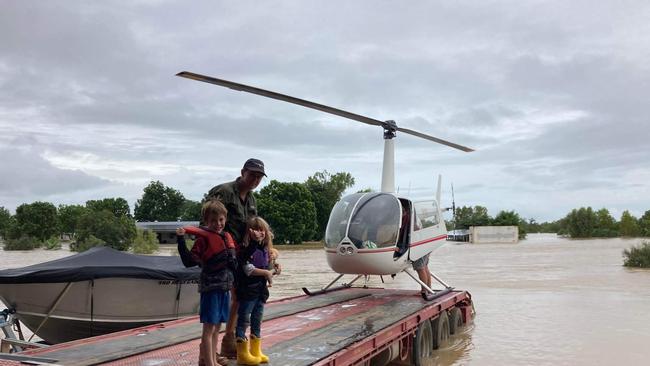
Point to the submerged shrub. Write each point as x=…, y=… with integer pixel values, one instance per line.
x=86, y=243
x=52, y=244
x=637, y=256
x=145, y=242
x=22, y=243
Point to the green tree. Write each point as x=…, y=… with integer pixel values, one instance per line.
x=38, y=220
x=510, y=218
x=605, y=224
x=69, y=216
x=159, y=203
x=629, y=225
x=145, y=242
x=117, y=206
x=471, y=216
x=289, y=209
x=326, y=189
x=551, y=227
x=191, y=211
x=644, y=224
x=532, y=226
x=580, y=223
x=5, y=221
x=115, y=232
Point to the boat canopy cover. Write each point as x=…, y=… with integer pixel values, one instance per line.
x=102, y=262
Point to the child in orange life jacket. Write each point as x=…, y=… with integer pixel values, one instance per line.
x=252, y=289
x=214, y=251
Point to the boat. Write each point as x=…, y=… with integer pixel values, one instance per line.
x=99, y=291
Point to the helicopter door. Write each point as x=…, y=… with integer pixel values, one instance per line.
x=404, y=238
x=427, y=229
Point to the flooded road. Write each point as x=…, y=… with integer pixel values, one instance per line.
x=544, y=301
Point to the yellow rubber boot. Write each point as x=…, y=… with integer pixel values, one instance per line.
x=256, y=349
x=244, y=356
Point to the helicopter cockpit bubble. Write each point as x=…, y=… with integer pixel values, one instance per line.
x=337, y=224
x=375, y=221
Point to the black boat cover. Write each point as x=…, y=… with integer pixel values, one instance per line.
x=102, y=262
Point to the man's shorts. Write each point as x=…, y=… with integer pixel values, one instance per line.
x=421, y=263
x=215, y=306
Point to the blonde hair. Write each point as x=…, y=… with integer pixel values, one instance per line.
x=258, y=223
x=212, y=208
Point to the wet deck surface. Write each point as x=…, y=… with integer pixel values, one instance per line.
x=296, y=331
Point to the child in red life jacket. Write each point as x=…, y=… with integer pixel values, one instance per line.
x=214, y=251
x=252, y=291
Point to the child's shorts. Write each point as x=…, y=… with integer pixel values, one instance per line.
x=215, y=306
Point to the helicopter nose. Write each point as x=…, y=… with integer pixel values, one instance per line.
x=346, y=249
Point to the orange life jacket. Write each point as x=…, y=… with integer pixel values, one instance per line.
x=215, y=242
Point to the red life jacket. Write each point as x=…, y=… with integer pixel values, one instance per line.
x=215, y=242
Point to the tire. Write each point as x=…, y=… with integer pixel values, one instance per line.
x=440, y=328
x=455, y=321
x=422, y=343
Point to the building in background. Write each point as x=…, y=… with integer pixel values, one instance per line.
x=494, y=234
x=165, y=230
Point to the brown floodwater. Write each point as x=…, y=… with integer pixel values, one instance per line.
x=543, y=301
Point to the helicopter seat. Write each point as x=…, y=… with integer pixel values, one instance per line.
x=386, y=235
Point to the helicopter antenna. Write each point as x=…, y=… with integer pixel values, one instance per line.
x=389, y=126
x=453, y=205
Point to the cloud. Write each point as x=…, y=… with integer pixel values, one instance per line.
x=28, y=177
x=553, y=96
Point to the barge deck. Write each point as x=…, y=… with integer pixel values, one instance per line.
x=345, y=327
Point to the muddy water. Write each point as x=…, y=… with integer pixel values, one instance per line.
x=544, y=301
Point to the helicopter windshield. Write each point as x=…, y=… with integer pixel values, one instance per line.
x=338, y=221
x=375, y=221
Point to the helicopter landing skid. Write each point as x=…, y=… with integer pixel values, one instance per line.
x=329, y=287
x=431, y=294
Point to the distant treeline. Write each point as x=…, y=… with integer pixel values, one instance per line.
x=297, y=212
x=579, y=223
x=99, y=222
x=466, y=216
x=584, y=222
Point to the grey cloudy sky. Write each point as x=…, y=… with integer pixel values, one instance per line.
x=553, y=95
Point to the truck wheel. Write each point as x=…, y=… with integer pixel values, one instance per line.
x=440, y=328
x=422, y=343
x=455, y=321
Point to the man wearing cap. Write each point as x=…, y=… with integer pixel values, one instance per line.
x=238, y=198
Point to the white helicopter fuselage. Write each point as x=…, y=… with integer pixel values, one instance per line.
x=381, y=234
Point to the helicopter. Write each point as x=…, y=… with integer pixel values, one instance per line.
x=372, y=233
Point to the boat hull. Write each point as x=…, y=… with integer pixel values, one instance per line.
x=82, y=309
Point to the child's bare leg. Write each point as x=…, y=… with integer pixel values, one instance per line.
x=215, y=340
x=201, y=358
x=208, y=345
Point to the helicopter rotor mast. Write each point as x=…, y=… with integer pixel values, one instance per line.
x=390, y=127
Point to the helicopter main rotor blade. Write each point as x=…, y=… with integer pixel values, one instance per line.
x=323, y=108
x=434, y=139
x=282, y=97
